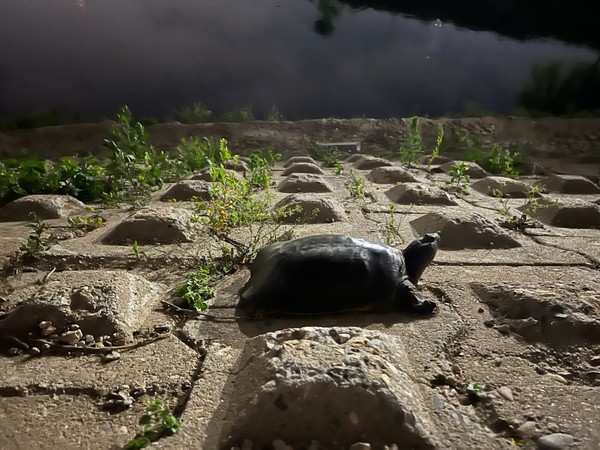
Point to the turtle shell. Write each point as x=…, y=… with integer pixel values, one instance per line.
x=324, y=274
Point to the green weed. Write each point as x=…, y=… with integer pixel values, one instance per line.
x=523, y=219
x=36, y=242
x=197, y=289
x=243, y=114
x=458, y=175
x=329, y=156
x=411, y=149
x=339, y=168
x=86, y=223
x=438, y=143
x=158, y=422
x=274, y=114
x=196, y=113
x=136, y=252
x=356, y=186
x=391, y=228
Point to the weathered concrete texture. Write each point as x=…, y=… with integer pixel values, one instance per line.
x=575, y=214
x=164, y=225
x=163, y=366
x=299, y=159
x=418, y=194
x=570, y=184
x=303, y=183
x=370, y=162
x=344, y=376
x=390, y=175
x=464, y=231
x=52, y=421
x=188, y=190
x=474, y=170
x=355, y=157
x=100, y=303
x=41, y=206
x=302, y=168
x=546, y=312
x=310, y=209
x=505, y=186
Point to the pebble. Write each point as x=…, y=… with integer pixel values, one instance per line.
x=73, y=327
x=556, y=377
x=112, y=356
x=163, y=328
x=489, y=323
x=438, y=401
x=3, y=300
x=360, y=446
x=343, y=338
x=45, y=324
x=48, y=330
x=34, y=351
x=14, y=351
x=527, y=429
x=504, y=328
x=506, y=393
x=71, y=337
x=555, y=441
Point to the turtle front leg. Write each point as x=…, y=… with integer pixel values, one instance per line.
x=410, y=299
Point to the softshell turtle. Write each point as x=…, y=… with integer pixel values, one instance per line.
x=333, y=273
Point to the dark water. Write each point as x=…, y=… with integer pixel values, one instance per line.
x=310, y=58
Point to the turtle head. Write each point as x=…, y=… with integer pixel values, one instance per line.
x=419, y=254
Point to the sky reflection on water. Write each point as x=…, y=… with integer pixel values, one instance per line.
x=92, y=56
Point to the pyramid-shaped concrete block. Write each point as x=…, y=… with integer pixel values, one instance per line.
x=41, y=206
x=303, y=182
x=575, y=214
x=303, y=167
x=460, y=232
x=419, y=194
x=99, y=302
x=370, y=162
x=204, y=175
x=160, y=225
x=390, y=175
x=306, y=208
x=299, y=159
x=188, y=190
x=570, y=184
x=507, y=187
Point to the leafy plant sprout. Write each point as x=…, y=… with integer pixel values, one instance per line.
x=37, y=242
x=438, y=143
x=411, y=149
x=157, y=422
x=458, y=175
x=356, y=186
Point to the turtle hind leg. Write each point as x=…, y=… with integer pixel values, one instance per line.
x=410, y=299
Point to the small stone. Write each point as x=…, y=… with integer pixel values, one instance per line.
x=556, y=377
x=498, y=362
x=185, y=386
x=89, y=339
x=540, y=370
x=44, y=324
x=504, y=328
x=70, y=337
x=45, y=346
x=112, y=356
x=48, y=331
x=555, y=441
x=527, y=429
x=34, y=351
x=3, y=300
x=73, y=327
x=163, y=328
x=506, y=393
x=360, y=446
x=106, y=427
x=438, y=402
x=279, y=444
x=343, y=338
x=14, y=351
x=138, y=392
x=595, y=361
x=489, y=323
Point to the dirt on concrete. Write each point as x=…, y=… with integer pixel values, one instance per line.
x=511, y=357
